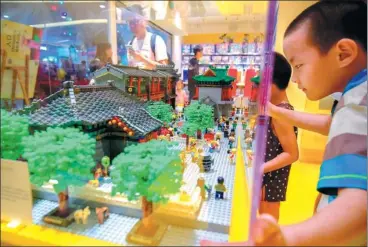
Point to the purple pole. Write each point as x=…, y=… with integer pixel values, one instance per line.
x=262, y=120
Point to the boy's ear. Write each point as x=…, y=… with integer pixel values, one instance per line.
x=347, y=50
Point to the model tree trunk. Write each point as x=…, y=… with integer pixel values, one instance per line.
x=187, y=140
x=63, y=203
x=147, y=209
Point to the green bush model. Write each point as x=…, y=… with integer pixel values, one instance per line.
x=197, y=117
x=13, y=129
x=151, y=171
x=161, y=111
x=64, y=155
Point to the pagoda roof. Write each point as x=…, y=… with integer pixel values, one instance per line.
x=120, y=71
x=214, y=77
x=91, y=105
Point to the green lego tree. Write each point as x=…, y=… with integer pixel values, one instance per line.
x=161, y=111
x=13, y=129
x=61, y=154
x=197, y=117
x=150, y=170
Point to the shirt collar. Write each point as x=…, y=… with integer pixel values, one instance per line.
x=356, y=81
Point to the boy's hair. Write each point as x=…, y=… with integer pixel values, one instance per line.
x=331, y=21
x=281, y=71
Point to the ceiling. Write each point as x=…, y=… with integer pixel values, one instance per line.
x=196, y=16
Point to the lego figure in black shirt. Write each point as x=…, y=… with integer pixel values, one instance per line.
x=193, y=70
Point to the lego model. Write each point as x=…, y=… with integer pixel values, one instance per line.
x=151, y=171
x=232, y=156
x=81, y=215
x=146, y=84
x=205, y=190
x=106, y=113
x=214, y=146
x=252, y=110
x=216, y=84
x=67, y=159
x=181, y=99
x=220, y=188
x=161, y=111
x=207, y=161
x=13, y=129
x=231, y=141
x=198, y=117
x=102, y=214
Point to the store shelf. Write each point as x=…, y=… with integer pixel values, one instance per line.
x=208, y=64
x=228, y=54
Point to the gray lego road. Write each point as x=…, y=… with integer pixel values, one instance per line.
x=117, y=226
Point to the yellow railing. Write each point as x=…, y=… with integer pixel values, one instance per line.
x=240, y=213
x=34, y=235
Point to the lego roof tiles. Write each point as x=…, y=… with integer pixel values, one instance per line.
x=219, y=77
x=139, y=120
x=94, y=104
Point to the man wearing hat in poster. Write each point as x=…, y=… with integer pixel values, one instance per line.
x=145, y=49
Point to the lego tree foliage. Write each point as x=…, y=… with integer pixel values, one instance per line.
x=61, y=154
x=150, y=170
x=13, y=129
x=198, y=117
x=161, y=111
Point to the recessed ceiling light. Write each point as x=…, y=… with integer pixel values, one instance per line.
x=6, y=16
x=102, y=6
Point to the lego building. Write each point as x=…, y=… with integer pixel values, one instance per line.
x=145, y=84
x=216, y=85
x=106, y=112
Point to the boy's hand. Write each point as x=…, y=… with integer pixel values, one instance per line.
x=271, y=109
x=266, y=233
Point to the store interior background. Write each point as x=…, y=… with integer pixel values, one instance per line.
x=71, y=30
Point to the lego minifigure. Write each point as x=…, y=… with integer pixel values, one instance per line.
x=102, y=214
x=218, y=136
x=232, y=156
x=220, y=188
x=181, y=98
x=81, y=215
x=231, y=141
x=213, y=146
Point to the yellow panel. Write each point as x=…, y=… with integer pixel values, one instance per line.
x=34, y=235
x=301, y=193
x=240, y=214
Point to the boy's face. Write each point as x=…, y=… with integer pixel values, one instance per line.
x=315, y=73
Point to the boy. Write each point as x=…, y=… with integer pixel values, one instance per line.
x=281, y=144
x=327, y=47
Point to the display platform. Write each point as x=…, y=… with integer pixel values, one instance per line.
x=213, y=219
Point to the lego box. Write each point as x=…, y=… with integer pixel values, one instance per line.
x=18, y=42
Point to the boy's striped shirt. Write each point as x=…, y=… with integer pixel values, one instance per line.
x=345, y=159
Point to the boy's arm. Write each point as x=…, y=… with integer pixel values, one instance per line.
x=287, y=137
x=313, y=122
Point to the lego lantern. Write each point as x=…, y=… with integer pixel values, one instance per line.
x=116, y=122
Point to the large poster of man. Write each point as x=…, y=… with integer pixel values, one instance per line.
x=20, y=53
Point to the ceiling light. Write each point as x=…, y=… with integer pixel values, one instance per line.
x=102, y=6
x=6, y=16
